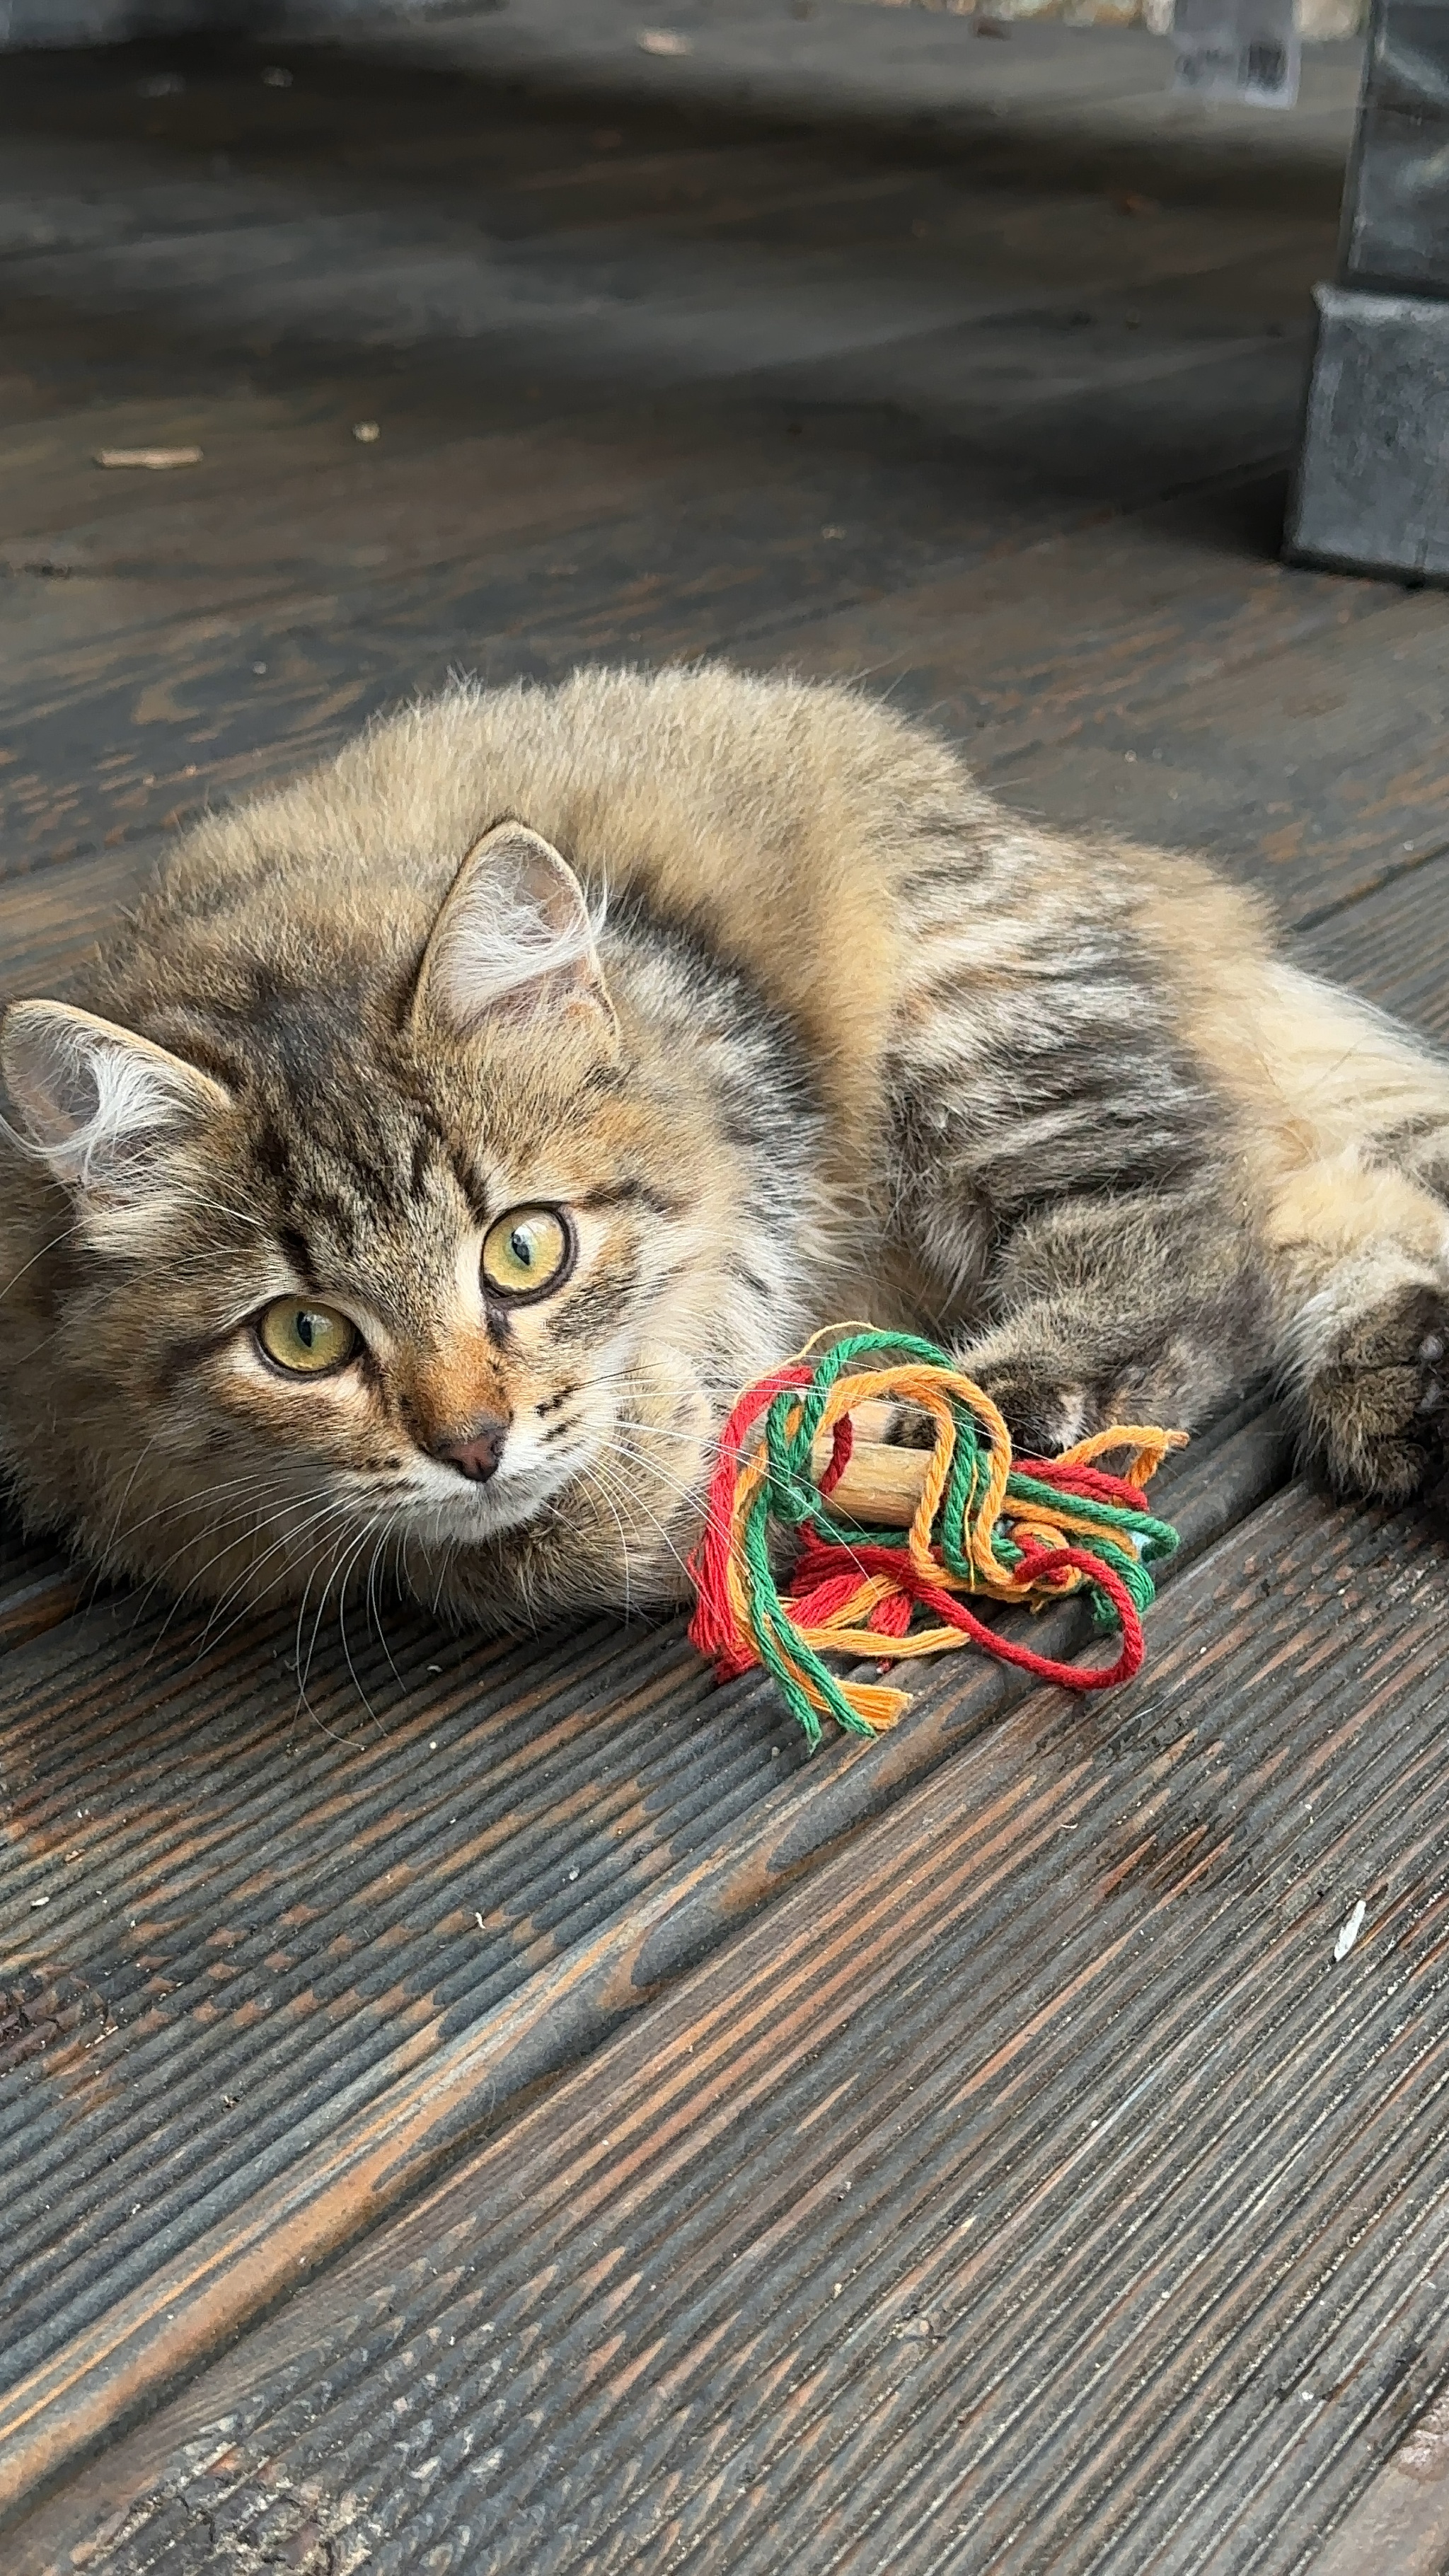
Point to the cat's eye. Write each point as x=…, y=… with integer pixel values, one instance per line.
x=526, y=1253
x=304, y=1339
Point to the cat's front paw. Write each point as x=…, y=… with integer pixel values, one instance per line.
x=1044, y=1412
x=904, y=1426
x=1040, y=1415
x=1377, y=1405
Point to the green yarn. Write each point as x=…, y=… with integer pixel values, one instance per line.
x=789, y=1497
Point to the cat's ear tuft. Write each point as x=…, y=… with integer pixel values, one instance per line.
x=515, y=937
x=95, y=1101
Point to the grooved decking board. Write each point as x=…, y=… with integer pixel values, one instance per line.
x=38, y=1588
x=1394, y=947
x=638, y=394
x=286, y=505
x=1062, y=640
x=50, y=920
x=270, y=1907
x=112, y=735
x=1033, y=2191
x=1318, y=773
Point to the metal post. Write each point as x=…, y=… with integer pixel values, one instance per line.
x=1372, y=491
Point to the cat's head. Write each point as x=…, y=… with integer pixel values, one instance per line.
x=348, y=1258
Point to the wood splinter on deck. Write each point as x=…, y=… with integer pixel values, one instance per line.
x=155, y=460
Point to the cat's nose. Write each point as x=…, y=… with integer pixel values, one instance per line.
x=478, y=1454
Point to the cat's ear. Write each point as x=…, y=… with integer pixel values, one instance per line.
x=95, y=1101
x=514, y=937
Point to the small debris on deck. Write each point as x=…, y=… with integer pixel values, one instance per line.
x=155, y=460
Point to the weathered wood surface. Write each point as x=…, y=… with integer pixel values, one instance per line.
x=278, y=1912
x=625, y=386
x=1095, y=114
x=966, y=431
x=934, y=2223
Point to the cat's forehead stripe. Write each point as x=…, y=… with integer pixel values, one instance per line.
x=633, y=1192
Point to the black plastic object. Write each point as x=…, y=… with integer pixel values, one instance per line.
x=1373, y=481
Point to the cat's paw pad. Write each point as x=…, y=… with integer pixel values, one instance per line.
x=1378, y=1405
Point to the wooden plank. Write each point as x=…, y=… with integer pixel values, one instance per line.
x=135, y=691
x=31, y=1605
x=310, y=2017
x=37, y=1587
x=616, y=293
x=321, y=261
x=1401, y=2520
x=1394, y=946
x=1316, y=774
x=88, y=184
x=116, y=734
x=49, y=922
x=1088, y=108
x=1037, y=2170
x=1052, y=641
x=285, y=500
x=1249, y=766
x=1065, y=106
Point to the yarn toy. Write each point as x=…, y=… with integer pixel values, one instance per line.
x=891, y=1540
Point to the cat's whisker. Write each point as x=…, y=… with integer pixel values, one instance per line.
x=636, y=1502
x=304, y=1664
x=691, y=1495
x=245, y=1581
x=592, y=1477
x=143, y=1599
x=352, y=1743
x=344, y=1556
x=452, y=1550
x=64, y=1236
x=374, y=1613
x=304, y=1661
x=687, y=1494
x=141, y=1459
x=244, y=1588
x=342, y=1630
x=257, y=1479
x=711, y=1523
x=218, y=1207
x=257, y=1485
x=660, y=1431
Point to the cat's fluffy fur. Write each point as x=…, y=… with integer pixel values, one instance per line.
x=848, y=1039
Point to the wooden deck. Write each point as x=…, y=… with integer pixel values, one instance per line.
x=510, y=2112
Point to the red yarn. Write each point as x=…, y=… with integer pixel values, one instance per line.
x=825, y=1562
x=841, y=1446
x=891, y=1616
x=712, y=1629
x=1076, y=1476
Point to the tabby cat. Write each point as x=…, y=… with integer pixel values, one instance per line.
x=452, y=1133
